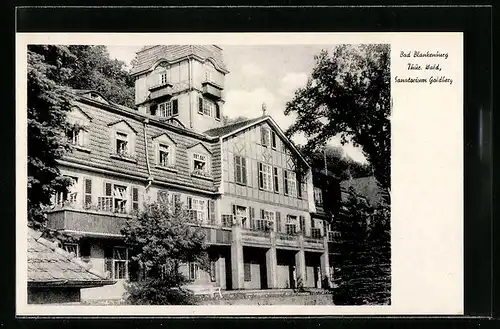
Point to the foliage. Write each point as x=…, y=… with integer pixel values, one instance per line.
x=52, y=71
x=363, y=252
x=226, y=121
x=48, y=104
x=161, y=238
x=348, y=94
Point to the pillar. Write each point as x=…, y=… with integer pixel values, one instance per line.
x=325, y=265
x=221, y=272
x=272, y=264
x=237, y=268
x=300, y=262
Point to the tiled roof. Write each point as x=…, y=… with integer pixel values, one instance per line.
x=149, y=55
x=364, y=186
x=49, y=264
x=230, y=128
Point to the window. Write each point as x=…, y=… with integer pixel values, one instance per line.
x=168, y=109
x=247, y=269
x=135, y=198
x=265, y=136
x=267, y=222
x=120, y=198
x=276, y=180
x=76, y=136
x=213, y=270
x=122, y=143
x=208, y=108
x=70, y=196
x=242, y=216
x=71, y=248
x=197, y=209
x=273, y=140
x=87, y=199
x=193, y=271
x=227, y=220
x=290, y=183
x=115, y=198
x=200, y=162
x=302, y=224
x=164, y=157
x=265, y=177
x=163, y=78
x=291, y=224
x=240, y=170
x=120, y=263
x=318, y=196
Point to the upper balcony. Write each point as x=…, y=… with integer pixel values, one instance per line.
x=161, y=90
x=211, y=89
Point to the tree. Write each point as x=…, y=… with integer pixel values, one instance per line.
x=48, y=103
x=363, y=253
x=348, y=94
x=161, y=238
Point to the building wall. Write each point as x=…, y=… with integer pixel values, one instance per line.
x=53, y=295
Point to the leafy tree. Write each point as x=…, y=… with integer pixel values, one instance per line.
x=226, y=121
x=363, y=252
x=161, y=238
x=348, y=94
x=48, y=104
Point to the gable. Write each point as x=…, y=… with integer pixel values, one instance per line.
x=123, y=126
x=199, y=148
x=164, y=138
x=78, y=116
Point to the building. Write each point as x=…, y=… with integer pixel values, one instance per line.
x=246, y=182
x=55, y=275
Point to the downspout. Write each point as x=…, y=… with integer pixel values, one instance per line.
x=190, y=69
x=150, y=177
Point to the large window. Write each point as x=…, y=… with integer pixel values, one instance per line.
x=120, y=263
x=197, y=209
x=265, y=177
x=290, y=183
x=168, y=109
x=267, y=222
x=115, y=198
x=240, y=170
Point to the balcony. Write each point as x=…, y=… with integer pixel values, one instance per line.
x=218, y=236
x=211, y=89
x=161, y=90
x=287, y=240
x=88, y=222
x=256, y=238
x=333, y=236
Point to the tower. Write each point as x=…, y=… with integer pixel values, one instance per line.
x=184, y=82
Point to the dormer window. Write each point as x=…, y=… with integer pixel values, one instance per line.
x=122, y=146
x=77, y=133
x=76, y=136
x=164, y=155
x=200, y=162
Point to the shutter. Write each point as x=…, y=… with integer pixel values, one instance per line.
x=87, y=199
x=175, y=107
x=135, y=198
x=244, y=170
x=189, y=202
x=108, y=191
x=302, y=223
x=153, y=108
x=237, y=172
x=200, y=105
x=299, y=186
x=273, y=136
x=217, y=111
x=177, y=199
x=211, y=211
x=261, y=178
x=252, y=217
x=285, y=182
x=278, y=221
x=233, y=207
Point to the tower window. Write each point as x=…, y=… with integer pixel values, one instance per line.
x=168, y=109
x=208, y=108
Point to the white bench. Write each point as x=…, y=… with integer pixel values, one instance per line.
x=203, y=290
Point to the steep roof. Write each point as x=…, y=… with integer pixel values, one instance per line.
x=221, y=131
x=51, y=265
x=364, y=186
x=148, y=56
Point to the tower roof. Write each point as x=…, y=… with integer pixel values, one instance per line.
x=148, y=56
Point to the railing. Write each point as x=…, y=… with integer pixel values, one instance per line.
x=333, y=235
x=201, y=173
x=316, y=233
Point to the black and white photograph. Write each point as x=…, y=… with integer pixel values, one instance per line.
x=201, y=174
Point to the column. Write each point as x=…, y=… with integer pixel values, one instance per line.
x=221, y=272
x=237, y=258
x=272, y=264
x=325, y=265
x=300, y=262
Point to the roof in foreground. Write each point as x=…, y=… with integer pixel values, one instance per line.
x=364, y=186
x=221, y=131
x=51, y=265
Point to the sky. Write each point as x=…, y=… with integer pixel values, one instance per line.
x=261, y=74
